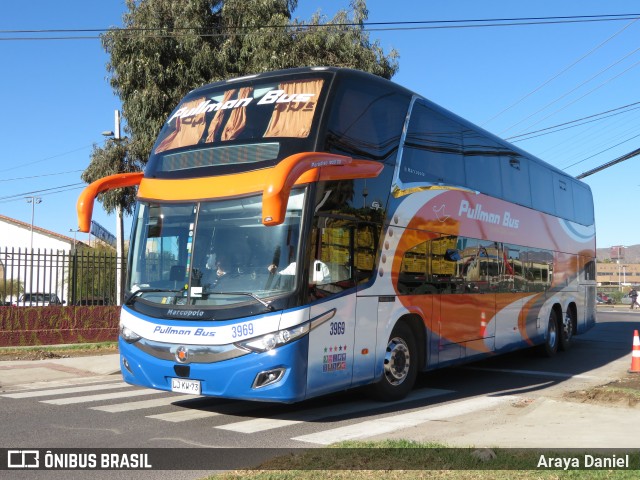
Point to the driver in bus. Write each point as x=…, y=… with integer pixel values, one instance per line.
x=319, y=275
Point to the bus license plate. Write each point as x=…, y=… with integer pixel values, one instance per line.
x=181, y=385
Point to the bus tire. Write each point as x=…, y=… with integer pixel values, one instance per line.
x=400, y=366
x=552, y=338
x=566, y=331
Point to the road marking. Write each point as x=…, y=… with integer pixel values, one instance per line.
x=67, y=390
x=284, y=420
x=184, y=415
x=69, y=382
x=156, y=402
x=535, y=373
x=394, y=423
x=97, y=398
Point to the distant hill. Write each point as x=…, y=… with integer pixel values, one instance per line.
x=631, y=254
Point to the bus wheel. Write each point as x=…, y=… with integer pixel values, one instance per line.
x=566, y=331
x=550, y=345
x=400, y=365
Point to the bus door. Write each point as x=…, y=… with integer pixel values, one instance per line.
x=467, y=308
x=331, y=278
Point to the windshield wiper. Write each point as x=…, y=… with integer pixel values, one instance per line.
x=140, y=291
x=247, y=294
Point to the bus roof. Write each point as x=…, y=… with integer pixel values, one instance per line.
x=339, y=72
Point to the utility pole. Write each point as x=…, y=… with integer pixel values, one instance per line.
x=119, y=226
x=33, y=201
x=119, y=221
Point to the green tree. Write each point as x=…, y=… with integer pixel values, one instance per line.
x=93, y=275
x=110, y=159
x=10, y=289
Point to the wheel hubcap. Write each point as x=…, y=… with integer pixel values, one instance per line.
x=567, y=328
x=397, y=361
x=553, y=333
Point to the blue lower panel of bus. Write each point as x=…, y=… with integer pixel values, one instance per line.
x=228, y=379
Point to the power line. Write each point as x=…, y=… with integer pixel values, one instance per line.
x=517, y=138
x=62, y=190
x=162, y=32
x=575, y=89
x=39, y=176
x=622, y=158
x=593, y=138
x=21, y=195
x=564, y=70
x=47, y=158
x=602, y=151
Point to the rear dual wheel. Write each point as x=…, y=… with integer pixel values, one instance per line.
x=552, y=338
x=559, y=334
x=566, y=331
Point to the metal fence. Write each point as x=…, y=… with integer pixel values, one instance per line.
x=35, y=277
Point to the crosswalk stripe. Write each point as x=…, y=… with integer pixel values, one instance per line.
x=65, y=391
x=184, y=415
x=69, y=382
x=262, y=424
x=97, y=398
x=384, y=425
x=195, y=414
x=155, y=402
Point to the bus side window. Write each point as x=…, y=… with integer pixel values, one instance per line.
x=335, y=252
x=331, y=262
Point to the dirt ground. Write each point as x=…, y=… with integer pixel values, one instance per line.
x=623, y=392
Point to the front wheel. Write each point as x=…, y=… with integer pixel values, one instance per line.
x=400, y=365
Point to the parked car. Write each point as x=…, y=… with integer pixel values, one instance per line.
x=92, y=301
x=604, y=298
x=38, y=300
x=626, y=299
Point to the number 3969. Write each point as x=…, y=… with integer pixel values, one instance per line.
x=336, y=328
x=242, y=330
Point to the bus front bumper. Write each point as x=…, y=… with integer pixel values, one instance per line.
x=279, y=375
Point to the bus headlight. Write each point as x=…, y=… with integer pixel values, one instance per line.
x=274, y=340
x=129, y=335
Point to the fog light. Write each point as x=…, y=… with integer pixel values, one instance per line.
x=125, y=363
x=268, y=377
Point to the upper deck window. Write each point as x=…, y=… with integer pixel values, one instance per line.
x=237, y=124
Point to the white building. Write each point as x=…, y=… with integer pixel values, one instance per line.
x=43, y=269
x=17, y=234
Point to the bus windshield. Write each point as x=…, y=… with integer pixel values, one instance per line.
x=215, y=253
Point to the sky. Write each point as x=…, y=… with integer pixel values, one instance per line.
x=509, y=79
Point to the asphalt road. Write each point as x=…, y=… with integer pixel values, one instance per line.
x=101, y=412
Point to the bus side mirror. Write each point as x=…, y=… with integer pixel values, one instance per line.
x=89, y=194
x=317, y=166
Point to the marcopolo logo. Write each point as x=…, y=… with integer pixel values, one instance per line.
x=172, y=312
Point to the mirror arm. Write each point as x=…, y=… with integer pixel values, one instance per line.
x=89, y=194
